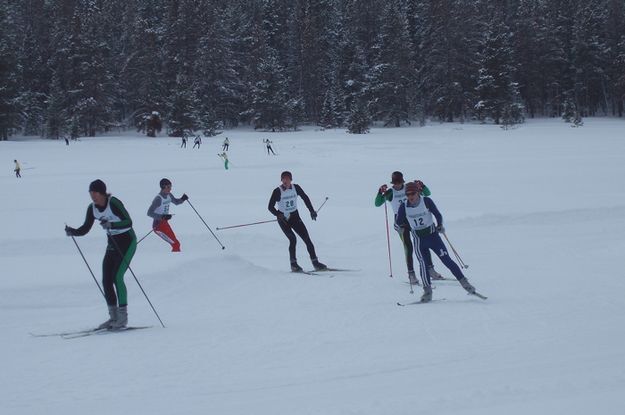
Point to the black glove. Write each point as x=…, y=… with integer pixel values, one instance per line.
x=397, y=227
x=166, y=217
x=281, y=217
x=70, y=231
x=313, y=215
x=440, y=229
x=383, y=189
x=184, y=197
x=106, y=225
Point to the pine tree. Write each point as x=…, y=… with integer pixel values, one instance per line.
x=359, y=120
x=57, y=121
x=218, y=85
x=495, y=83
x=269, y=94
x=448, y=40
x=9, y=108
x=390, y=84
x=181, y=116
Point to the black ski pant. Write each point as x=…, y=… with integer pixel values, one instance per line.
x=292, y=226
x=119, y=252
x=270, y=149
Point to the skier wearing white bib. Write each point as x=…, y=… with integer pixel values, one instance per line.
x=120, y=249
x=159, y=211
x=289, y=220
x=396, y=196
x=417, y=214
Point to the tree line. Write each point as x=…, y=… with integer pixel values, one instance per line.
x=81, y=67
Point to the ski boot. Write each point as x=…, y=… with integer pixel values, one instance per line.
x=108, y=324
x=295, y=267
x=122, y=319
x=412, y=278
x=427, y=294
x=467, y=285
x=318, y=265
x=434, y=275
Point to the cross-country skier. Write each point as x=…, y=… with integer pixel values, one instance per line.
x=197, y=142
x=225, y=145
x=120, y=249
x=225, y=157
x=418, y=214
x=17, y=169
x=396, y=196
x=289, y=220
x=159, y=211
x=269, y=148
x=184, y=142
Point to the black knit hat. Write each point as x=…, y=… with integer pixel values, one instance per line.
x=164, y=182
x=397, y=177
x=286, y=174
x=97, y=186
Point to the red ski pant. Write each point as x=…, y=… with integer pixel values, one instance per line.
x=163, y=230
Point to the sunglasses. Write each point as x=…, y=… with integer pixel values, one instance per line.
x=411, y=194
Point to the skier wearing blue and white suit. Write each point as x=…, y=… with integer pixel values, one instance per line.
x=418, y=213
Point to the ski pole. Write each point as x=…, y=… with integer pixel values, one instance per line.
x=324, y=202
x=388, y=243
x=119, y=252
x=460, y=261
x=205, y=224
x=245, y=224
x=87, y=264
x=146, y=235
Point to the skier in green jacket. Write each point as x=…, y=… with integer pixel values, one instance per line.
x=122, y=243
x=396, y=196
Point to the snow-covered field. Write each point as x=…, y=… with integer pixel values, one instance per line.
x=538, y=213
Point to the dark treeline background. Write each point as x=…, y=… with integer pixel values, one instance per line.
x=80, y=67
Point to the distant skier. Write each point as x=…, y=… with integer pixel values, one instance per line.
x=159, y=211
x=269, y=148
x=197, y=142
x=225, y=145
x=418, y=214
x=66, y=140
x=396, y=196
x=289, y=220
x=225, y=157
x=17, y=169
x=184, y=142
x=122, y=243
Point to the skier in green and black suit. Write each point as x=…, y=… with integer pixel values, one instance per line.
x=122, y=243
x=396, y=196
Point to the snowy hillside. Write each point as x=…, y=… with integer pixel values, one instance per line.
x=537, y=212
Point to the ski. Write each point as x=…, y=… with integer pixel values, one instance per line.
x=102, y=331
x=478, y=295
x=421, y=302
x=304, y=272
x=66, y=333
x=328, y=269
x=443, y=279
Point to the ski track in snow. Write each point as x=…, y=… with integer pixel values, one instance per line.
x=536, y=212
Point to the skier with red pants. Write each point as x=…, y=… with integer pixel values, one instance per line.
x=159, y=211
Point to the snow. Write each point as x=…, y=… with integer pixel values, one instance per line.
x=537, y=212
